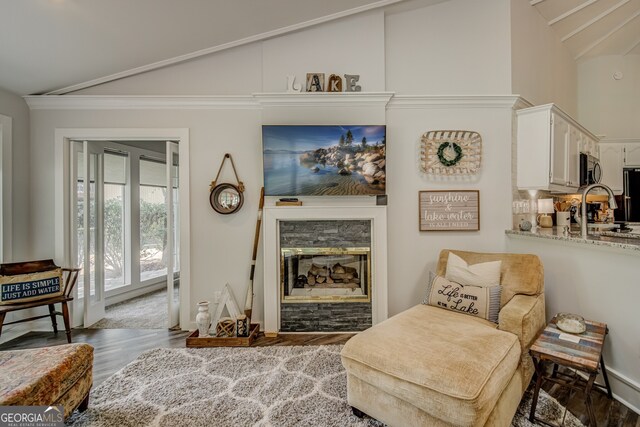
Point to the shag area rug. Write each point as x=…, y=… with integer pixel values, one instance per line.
x=260, y=386
x=148, y=311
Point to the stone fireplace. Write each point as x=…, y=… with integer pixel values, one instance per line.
x=323, y=272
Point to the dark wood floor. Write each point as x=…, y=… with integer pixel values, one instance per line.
x=115, y=348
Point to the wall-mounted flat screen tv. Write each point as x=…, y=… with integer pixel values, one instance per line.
x=316, y=160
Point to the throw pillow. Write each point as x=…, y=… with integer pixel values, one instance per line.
x=479, y=301
x=482, y=274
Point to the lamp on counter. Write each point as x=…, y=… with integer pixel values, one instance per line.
x=545, y=207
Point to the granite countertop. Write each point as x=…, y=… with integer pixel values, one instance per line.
x=624, y=241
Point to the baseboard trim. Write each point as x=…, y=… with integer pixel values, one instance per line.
x=628, y=382
x=624, y=381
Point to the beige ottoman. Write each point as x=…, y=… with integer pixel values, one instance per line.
x=429, y=366
x=60, y=375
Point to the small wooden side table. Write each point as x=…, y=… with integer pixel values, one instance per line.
x=584, y=355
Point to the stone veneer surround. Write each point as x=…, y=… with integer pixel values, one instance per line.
x=274, y=216
x=325, y=316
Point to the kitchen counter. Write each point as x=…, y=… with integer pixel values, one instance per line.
x=596, y=278
x=618, y=241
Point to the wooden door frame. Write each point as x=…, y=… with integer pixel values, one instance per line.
x=6, y=179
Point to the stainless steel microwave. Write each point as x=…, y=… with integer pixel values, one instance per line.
x=590, y=170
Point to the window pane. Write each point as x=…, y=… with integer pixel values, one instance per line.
x=80, y=235
x=114, y=252
x=153, y=221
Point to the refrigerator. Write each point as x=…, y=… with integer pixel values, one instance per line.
x=630, y=208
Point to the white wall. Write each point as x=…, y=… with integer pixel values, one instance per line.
x=455, y=47
x=599, y=284
x=412, y=254
x=388, y=53
x=542, y=68
x=220, y=245
x=14, y=106
x=607, y=106
x=354, y=45
x=16, y=202
x=228, y=72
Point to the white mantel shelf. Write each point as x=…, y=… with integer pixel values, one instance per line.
x=273, y=214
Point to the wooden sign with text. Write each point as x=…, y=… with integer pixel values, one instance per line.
x=442, y=210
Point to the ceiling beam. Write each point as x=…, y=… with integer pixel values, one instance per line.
x=571, y=12
x=225, y=46
x=631, y=48
x=594, y=20
x=609, y=34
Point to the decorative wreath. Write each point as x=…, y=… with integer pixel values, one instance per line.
x=443, y=159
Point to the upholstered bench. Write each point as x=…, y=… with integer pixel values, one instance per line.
x=428, y=366
x=60, y=375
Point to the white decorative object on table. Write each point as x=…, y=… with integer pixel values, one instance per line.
x=292, y=86
x=226, y=300
x=203, y=319
x=545, y=207
x=351, y=83
x=571, y=323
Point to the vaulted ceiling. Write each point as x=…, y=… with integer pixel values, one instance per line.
x=57, y=46
x=51, y=44
x=594, y=27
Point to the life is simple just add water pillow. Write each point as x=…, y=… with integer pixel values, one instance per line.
x=474, y=290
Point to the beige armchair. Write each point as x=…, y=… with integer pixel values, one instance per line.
x=433, y=367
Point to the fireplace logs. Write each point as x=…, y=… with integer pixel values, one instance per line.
x=338, y=276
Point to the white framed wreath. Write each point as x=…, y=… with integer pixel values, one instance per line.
x=451, y=152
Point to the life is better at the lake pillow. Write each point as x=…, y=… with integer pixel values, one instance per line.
x=479, y=301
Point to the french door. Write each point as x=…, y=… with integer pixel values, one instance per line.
x=125, y=213
x=89, y=161
x=173, y=236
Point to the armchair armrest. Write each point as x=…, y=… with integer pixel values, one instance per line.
x=525, y=317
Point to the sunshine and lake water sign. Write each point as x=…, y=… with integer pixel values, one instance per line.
x=442, y=210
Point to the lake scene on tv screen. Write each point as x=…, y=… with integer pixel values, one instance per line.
x=324, y=160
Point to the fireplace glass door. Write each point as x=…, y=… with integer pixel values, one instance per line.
x=325, y=275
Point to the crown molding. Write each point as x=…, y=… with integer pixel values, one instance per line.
x=323, y=99
x=126, y=102
x=457, y=101
x=269, y=100
x=521, y=102
x=606, y=140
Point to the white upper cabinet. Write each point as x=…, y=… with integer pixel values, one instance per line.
x=612, y=162
x=576, y=137
x=549, y=145
x=632, y=154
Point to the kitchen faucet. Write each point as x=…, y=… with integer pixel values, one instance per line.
x=583, y=206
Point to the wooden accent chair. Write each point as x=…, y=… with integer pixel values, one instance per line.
x=435, y=367
x=70, y=277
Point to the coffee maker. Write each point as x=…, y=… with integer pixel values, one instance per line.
x=592, y=211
